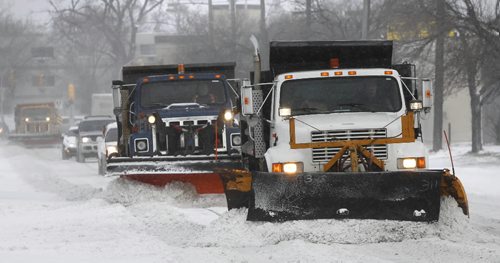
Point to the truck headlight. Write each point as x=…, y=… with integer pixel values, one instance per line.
x=228, y=115
x=141, y=145
x=47, y=119
x=27, y=119
x=411, y=162
x=285, y=112
x=110, y=150
x=151, y=119
x=85, y=139
x=235, y=139
x=288, y=168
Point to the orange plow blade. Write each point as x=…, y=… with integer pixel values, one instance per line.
x=202, y=174
x=205, y=183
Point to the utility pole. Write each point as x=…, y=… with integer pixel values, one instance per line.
x=366, y=19
x=437, y=139
x=308, y=17
x=2, y=89
x=263, y=31
x=232, y=7
x=210, y=23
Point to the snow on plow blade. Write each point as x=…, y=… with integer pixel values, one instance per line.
x=408, y=195
x=161, y=171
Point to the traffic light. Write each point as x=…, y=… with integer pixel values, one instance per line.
x=71, y=93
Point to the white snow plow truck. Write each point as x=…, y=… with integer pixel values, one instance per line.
x=335, y=133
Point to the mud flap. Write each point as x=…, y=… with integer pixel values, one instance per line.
x=399, y=195
x=161, y=171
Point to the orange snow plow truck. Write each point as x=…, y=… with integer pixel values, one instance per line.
x=37, y=124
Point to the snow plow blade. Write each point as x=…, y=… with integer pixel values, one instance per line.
x=36, y=140
x=162, y=171
x=398, y=195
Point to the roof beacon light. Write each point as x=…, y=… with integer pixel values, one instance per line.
x=334, y=63
x=180, y=69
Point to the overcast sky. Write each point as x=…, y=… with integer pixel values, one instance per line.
x=35, y=10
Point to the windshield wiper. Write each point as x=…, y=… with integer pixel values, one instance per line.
x=304, y=110
x=358, y=106
x=158, y=104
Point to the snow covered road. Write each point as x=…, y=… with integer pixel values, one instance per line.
x=61, y=211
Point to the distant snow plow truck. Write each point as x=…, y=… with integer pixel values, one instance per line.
x=176, y=123
x=37, y=124
x=336, y=134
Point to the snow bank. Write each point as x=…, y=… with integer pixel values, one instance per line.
x=230, y=227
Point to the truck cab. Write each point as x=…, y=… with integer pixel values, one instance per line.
x=339, y=104
x=183, y=114
x=176, y=115
x=36, y=124
x=337, y=91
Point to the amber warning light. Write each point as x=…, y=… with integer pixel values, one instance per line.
x=334, y=63
x=180, y=69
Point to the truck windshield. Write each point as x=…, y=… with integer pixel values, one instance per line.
x=165, y=93
x=345, y=94
x=112, y=135
x=94, y=125
x=36, y=112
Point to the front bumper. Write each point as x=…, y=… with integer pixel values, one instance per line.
x=201, y=172
x=88, y=148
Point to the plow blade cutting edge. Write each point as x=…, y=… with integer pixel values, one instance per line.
x=161, y=171
x=408, y=195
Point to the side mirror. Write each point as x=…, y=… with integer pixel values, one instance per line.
x=426, y=93
x=117, y=98
x=117, y=83
x=247, y=98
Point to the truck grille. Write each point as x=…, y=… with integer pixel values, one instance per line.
x=191, y=137
x=41, y=127
x=323, y=155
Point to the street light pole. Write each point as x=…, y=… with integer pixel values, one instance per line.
x=366, y=18
x=2, y=89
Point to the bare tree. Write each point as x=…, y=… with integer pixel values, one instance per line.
x=117, y=22
x=18, y=37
